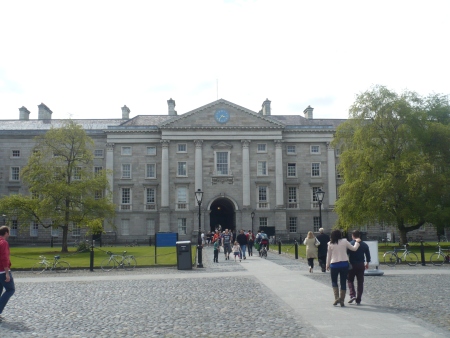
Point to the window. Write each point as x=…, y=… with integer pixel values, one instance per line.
x=150, y=227
x=338, y=152
x=262, y=168
x=34, y=229
x=125, y=203
x=97, y=170
x=151, y=151
x=150, y=199
x=181, y=148
x=125, y=227
x=292, y=198
x=150, y=171
x=262, y=197
x=77, y=173
x=290, y=150
x=292, y=224
x=55, y=232
x=34, y=195
x=75, y=230
x=291, y=170
x=15, y=153
x=263, y=222
x=262, y=148
x=126, y=170
x=98, y=153
x=182, y=203
x=315, y=149
x=222, y=163
x=382, y=226
x=15, y=173
x=14, y=228
x=315, y=169
x=181, y=226
x=182, y=169
x=126, y=151
x=316, y=223
x=98, y=194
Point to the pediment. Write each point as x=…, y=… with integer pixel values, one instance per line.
x=221, y=114
x=222, y=145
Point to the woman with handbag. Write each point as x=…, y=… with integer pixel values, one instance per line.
x=311, y=243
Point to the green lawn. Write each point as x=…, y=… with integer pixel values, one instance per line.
x=25, y=257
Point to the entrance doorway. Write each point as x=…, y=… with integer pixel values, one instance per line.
x=223, y=213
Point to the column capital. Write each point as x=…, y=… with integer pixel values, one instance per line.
x=278, y=143
x=165, y=143
x=329, y=146
x=198, y=143
x=110, y=146
x=245, y=143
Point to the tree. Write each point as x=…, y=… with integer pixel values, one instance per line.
x=63, y=187
x=395, y=161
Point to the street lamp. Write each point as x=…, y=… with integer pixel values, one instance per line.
x=199, y=197
x=320, y=195
x=253, y=216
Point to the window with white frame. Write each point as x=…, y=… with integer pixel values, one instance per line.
x=34, y=195
x=337, y=152
x=182, y=226
x=292, y=170
x=76, y=231
x=316, y=223
x=14, y=228
x=182, y=202
x=315, y=149
x=34, y=229
x=150, y=227
x=315, y=169
x=222, y=160
x=77, y=173
x=15, y=153
x=382, y=226
x=262, y=168
x=97, y=170
x=363, y=228
x=150, y=199
x=125, y=227
x=126, y=170
x=293, y=225
x=181, y=148
x=182, y=169
x=15, y=174
x=55, y=231
x=150, y=170
x=315, y=200
x=292, y=198
x=262, y=197
x=262, y=148
x=125, y=200
x=98, y=194
x=126, y=151
x=290, y=150
x=263, y=221
x=151, y=151
x=98, y=153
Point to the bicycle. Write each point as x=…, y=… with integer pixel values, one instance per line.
x=44, y=264
x=391, y=258
x=439, y=258
x=263, y=251
x=128, y=262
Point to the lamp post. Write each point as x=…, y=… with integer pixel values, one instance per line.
x=253, y=216
x=199, y=197
x=4, y=219
x=320, y=195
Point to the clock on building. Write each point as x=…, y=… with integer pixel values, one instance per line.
x=222, y=115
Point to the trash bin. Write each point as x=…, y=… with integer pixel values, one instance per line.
x=184, y=255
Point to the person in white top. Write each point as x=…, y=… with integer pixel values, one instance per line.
x=337, y=263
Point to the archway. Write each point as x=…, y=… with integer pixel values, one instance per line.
x=223, y=213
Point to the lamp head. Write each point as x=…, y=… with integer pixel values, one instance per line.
x=199, y=196
x=320, y=195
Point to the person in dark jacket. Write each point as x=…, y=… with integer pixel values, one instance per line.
x=323, y=248
x=359, y=265
x=242, y=240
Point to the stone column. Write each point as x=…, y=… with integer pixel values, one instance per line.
x=110, y=164
x=245, y=173
x=279, y=174
x=165, y=174
x=198, y=164
x=331, y=159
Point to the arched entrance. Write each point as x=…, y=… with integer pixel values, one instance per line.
x=223, y=213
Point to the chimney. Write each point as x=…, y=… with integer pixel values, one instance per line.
x=171, y=104
x=24, y=114
x=308, y=113
x=125, y=113
x=266, y=107
x=44, y=112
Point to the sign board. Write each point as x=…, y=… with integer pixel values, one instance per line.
x=166, y=239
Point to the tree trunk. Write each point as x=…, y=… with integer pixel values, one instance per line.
x=64, y=248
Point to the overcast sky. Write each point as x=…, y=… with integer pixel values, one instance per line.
x=86, y=59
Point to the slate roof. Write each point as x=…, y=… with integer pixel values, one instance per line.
x=93, y=124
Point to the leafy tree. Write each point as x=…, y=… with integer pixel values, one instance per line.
x=63, y=187
x=395, y=161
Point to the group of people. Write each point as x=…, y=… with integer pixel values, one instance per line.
x=345, y=260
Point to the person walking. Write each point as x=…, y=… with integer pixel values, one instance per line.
x=337, y=263
x=323, y=238
x=236, y=251
x=216, y=251
x=242, y=240
x=226, y=243
x=311, y=249
x=359, y=265
x=250, y=241
x=6, y=278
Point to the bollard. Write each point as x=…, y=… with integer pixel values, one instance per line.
x=279, y=247
x=422, y=253
x=91, y=265
x=296, y=250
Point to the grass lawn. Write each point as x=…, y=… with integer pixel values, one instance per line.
x=23, y=258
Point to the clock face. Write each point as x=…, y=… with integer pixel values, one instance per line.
x=222, y=116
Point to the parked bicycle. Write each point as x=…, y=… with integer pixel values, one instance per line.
x=128, y=262
x=391, y=258
x=439, y=258
x=263, y=251
x=44, y=264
